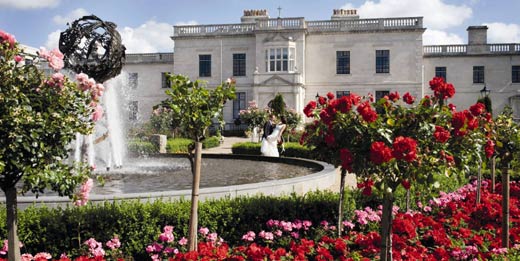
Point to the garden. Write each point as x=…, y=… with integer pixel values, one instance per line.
x=427, y=178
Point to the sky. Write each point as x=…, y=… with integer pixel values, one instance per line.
x=146, y=25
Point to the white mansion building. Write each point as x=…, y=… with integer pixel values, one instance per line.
x=300, y=59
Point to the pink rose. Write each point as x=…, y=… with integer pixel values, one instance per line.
x=18, y=58
x=98, y=113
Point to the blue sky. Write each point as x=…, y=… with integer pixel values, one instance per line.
x=146, y=25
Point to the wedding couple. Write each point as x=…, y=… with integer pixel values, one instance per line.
x=272, y=136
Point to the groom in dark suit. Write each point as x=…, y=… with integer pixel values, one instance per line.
x=269, y=126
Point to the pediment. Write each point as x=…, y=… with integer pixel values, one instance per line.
x=276, y=80
x=278, y=37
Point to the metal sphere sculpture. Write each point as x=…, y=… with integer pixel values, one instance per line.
x=94, y=47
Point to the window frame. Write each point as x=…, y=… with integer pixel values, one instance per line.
x=342, y=62
x=479, y=74
x=204, y=65
x=133, y=80
x=280, y=59
x=515, y=74
x=239, y=103
x=165, y=82
x=383, y=61
x=340, y=94
x=441, y=71
x=239, y=64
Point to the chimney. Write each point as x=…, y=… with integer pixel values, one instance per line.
x=344, y=14
x=250, y=16
x=477, y=39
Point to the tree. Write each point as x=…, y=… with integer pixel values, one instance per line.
x=388, y=143
x=39, y=117
x=194, y=106
x=277, y=105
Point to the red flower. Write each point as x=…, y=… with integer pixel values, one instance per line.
x=408, y=98
x=355, y=99
x=458, y=120
x=346, y=159
x=366, y=112
x=441, y=89
x=366, y=186
x=489, y=148
x=330, y=95
x=344, y=104
x=394, y=96
x=330, y=139
x=322, y=100
x=472, y=123
x=380, y=153
x=436, y=83
x=441, y=135
x=477, y=108
x=405, y=148
x=426, y=101
x=406, y=184
x=326, y=117
x=309, y=108
x=452, y=107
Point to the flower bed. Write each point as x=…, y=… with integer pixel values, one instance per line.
x=450, y=227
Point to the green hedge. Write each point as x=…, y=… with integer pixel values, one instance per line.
x=181, y=145
x=140, y=147
x=138, y=224
x=292, y=149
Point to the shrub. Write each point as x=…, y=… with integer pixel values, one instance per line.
x=141, y=147
x=178, y=145
x=211, y=142
x=292, y=149
x=246, y=148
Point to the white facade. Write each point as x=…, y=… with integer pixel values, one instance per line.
x=301, y=59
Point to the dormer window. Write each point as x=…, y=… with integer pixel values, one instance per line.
x=279, y=59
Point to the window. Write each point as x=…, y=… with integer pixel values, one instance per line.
x=133, y=79
x=515, y=74
x=440, y=72
x=239, y=64
x=380, y=95
x=382, y=61
x=239, y=104
x=340, y=94
x=133, y=110
x=165, y=82
x=28, y=61
x=279, y=59
x=205, y=65
x=478, y=74
x=342, y=62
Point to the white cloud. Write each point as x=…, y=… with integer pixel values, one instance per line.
x=148, y=37
x=503, y=33
x=53, y=40
x=70, y=17
x=437, y=14
x=437, y=37
x=192, y=22
x=28, y=4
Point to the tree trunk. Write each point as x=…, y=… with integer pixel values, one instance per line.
x=493, y=170
x=341, y=199
x=192, y=237
x=13, y=253
x=505, y=206
x=479, y=182
x=386, y=227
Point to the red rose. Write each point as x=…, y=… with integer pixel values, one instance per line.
x=330, y=95
x=366, y=112
x=436, y=83
x=309, y=108
x=472, y=123
x=322, y=100
x=405, y=148
x=344, y=104
x=446, y=91
x=489, y=148
x=426, y=101
x=346, y=159
x=452, y=107
x=408, y=98
x=477, y=108
x=355, y=99
x=441, y=135
x=380, y=153
x=394, y=96
x=330, y=139
x=406, y=184
x=458, y=120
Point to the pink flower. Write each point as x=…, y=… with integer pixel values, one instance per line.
x=114, y=243
x=84, y=193
x=54, y=57
x=183, y=241
x=43, y=255
x=249, y=236
x=266, y=235
x=212, y=237
x=18, y=58
x=27, y=257
x=6, y=37
x=204, y=230
x=98, y=113
x=166, y=237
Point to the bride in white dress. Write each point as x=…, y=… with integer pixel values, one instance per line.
x=270, y=144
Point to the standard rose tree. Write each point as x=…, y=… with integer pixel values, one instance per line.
x=39, y=117
x=389, y=143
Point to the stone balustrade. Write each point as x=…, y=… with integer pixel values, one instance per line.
x=462, y=49
x=300, y=23
x=149, y=58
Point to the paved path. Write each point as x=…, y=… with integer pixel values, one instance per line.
x=225, y=148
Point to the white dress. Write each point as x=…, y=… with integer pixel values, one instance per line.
x=270, y=144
